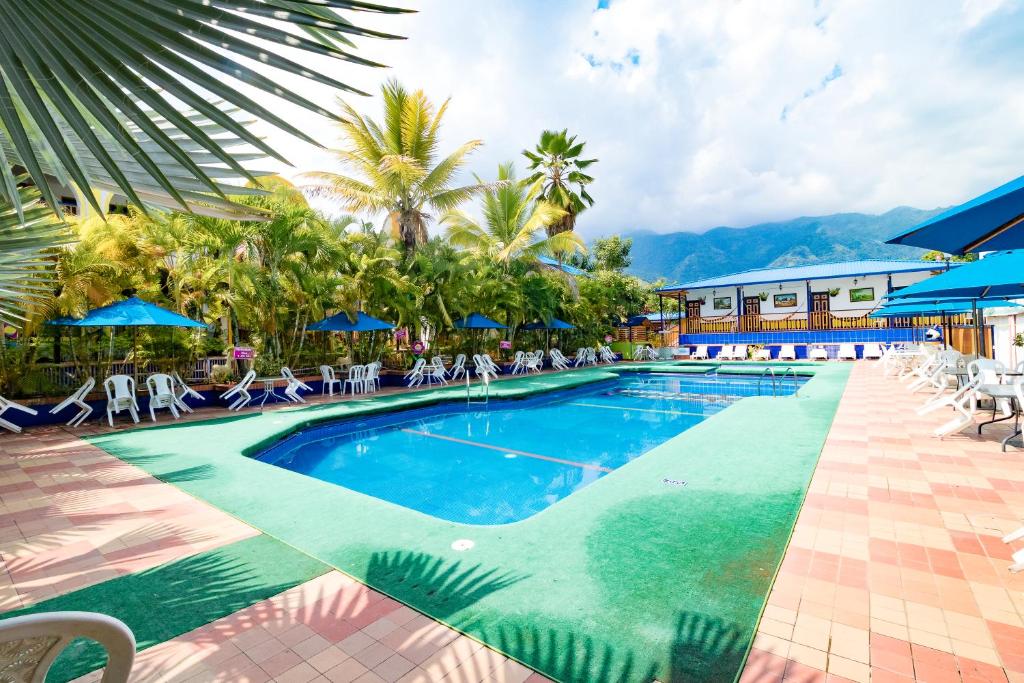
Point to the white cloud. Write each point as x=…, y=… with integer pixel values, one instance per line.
x=706, y=113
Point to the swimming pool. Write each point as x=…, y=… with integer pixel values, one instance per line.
x=508, y=461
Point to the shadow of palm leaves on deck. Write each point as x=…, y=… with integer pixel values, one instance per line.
x=432, y=584
x=159, y=604
x=566, y=656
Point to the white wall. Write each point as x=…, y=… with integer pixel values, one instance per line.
x=838, y=304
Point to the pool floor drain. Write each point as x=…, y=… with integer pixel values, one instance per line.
x=463, y=544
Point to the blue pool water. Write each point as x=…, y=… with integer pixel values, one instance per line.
x=512, y=459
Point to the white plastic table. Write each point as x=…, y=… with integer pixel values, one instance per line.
x=269, y=390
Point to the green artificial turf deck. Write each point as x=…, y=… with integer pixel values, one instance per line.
x=630, y=578
x=166, y=601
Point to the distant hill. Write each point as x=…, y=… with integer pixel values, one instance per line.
x=684, y=256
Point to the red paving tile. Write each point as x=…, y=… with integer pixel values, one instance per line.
x=913, y=524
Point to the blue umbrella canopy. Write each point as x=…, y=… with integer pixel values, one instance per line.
x=476, y=321
x=63, y=322
x=922, y=307
x=340, y=322
x=554, y=324
x=999, y=275
x=992, y=221
x=133, y=312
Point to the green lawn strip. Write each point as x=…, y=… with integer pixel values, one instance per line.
x=164, y=602
x=634, y=575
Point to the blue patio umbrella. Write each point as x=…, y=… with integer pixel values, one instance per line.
x=553, y=324
x=939, y=307
x=476, y=321
x=340, y=322
x=132, y=312
x=999, y=275
x=992, y=221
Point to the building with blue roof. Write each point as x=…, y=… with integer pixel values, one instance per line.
x=821, y=303
x=566, y=268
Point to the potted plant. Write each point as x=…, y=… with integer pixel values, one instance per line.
x=834, y=292
x=763, y=296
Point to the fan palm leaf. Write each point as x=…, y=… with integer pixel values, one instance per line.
x=142, y=97
x=27, y=241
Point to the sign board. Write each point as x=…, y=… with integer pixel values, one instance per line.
x=244, y=353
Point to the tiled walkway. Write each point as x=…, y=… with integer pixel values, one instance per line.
x=895, y=572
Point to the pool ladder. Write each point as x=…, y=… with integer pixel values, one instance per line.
x=778, y=383
x=485, y=391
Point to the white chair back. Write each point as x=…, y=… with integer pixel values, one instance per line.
x=123, y=387
x=37, y=639
x=160, y=384
x=327, y=372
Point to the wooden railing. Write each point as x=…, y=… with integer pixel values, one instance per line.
x=815, y=320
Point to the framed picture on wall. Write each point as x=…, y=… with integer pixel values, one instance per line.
x=722, y=303
x=861, y=294
x=785, y=300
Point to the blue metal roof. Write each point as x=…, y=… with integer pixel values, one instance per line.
x=814, y=271
x=566, y=268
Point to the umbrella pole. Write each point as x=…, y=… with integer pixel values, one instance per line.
x=977, y=328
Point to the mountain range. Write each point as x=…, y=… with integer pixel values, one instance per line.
x=686, y=256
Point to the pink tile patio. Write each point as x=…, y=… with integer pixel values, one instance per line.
x=895, y=572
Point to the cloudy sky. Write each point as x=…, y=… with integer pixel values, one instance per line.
x=707, y=113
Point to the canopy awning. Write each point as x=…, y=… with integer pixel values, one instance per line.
x=997, y=276
x=133, y=312
x=553, y=324
x=989, y=222
x=476, y=321
x=340, y=322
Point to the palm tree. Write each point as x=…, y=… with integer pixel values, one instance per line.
x=515, y=216
x=397, y=166
x=556, y=161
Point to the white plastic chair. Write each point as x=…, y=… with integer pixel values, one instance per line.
x=763, y=354
x=7, y=404
x=458, y=368
x=725, y=353
x=415, y=376
x=739, y=352
x=581, y=357
x=558, y=360
x=639, y=352
x=356, y=380
x=518, y=363
x=371, y=377
x=161, y=394
x=240, y=392
x=481, y=367
x=701, y=352
x=122, y=398
x=607, y=355
x=77, y=399
x=185, y=391
x=787, y=352
x=535, y=361
x=818, y=353
x=30, y=644
x=329, y=380
x=847, y=352
x=436, y=372
x=491, y=365
x=591, y=355
x=872, y=351
x=291, y=391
